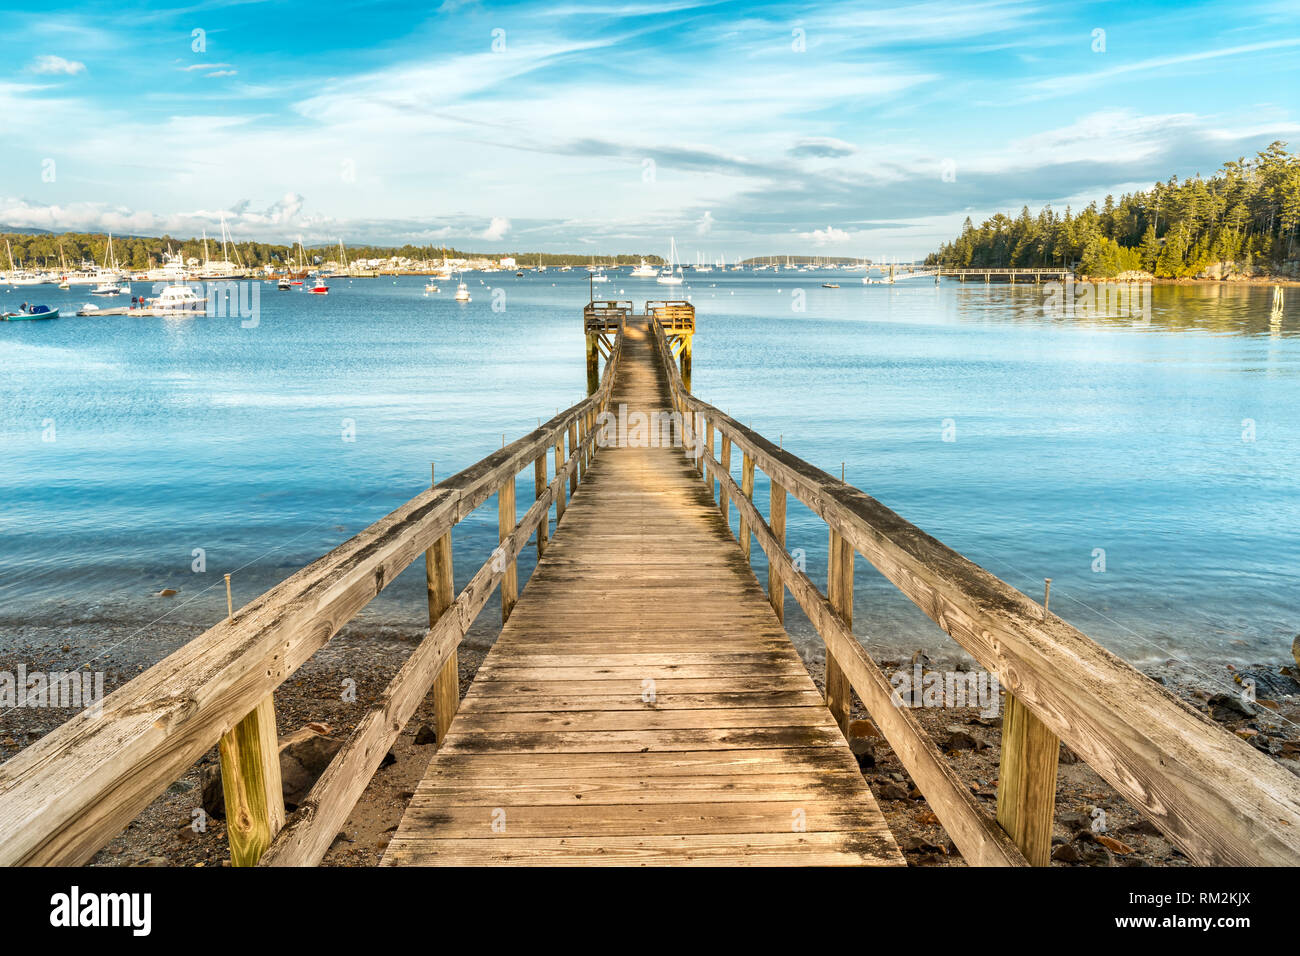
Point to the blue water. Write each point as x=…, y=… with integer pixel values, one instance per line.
x=130, y=442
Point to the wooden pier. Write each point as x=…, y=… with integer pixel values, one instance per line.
x=643, y=703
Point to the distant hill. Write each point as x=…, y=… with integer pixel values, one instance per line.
x=25, y=231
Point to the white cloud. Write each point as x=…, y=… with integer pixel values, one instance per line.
x=830, y=234
x=204, y=66
x=221, y=73
x=705, y=225
x=49, y=64
x=497, y=229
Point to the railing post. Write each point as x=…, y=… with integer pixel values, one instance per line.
x=580, y=466
x=724, y=499
x=250, y=780
x=593, y=362
x=746, y=489
x=686, y=360
x=1027, y=781
x=441, y=587
x=559, y=469
x=775, y=585
x=573, y=450
x=539, y=486
x=506, y=518
x=839, y=591
x=708, y=445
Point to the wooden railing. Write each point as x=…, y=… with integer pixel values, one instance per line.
x=605, y=315
x=68, y=794
x=1217, y=799
x=674, y=315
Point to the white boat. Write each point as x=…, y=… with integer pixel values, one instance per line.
x=599, y=277
x=668, y=277
x=179, y=299
x=430, y=287
x=110, y=288
x=644, y=271
x=462, y=293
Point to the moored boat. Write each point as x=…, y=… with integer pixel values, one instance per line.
x=31, y=312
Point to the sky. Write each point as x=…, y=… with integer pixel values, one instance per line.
x=843, y=128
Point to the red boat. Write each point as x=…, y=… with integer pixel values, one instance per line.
x=320, y=288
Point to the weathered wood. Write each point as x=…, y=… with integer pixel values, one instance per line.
x=65, y=796
x=319, y=818
x=559, y=466
x=775, y=586
x=1027, y=781
x=539, y=487
x=250, y=780
x=746, y=489
x=441, y=587
x=1215, y=797
x=571, y=690
x=724, y=472
x=839, y=591
x=505, y=526
x=573, y=453
x=977, y=835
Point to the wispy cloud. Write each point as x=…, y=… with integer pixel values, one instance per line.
x=50, y=64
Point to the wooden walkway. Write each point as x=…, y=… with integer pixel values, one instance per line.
x=643, y=705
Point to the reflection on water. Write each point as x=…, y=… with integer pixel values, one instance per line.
x=1168, y=446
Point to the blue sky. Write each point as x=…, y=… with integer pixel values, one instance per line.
x=847, y=128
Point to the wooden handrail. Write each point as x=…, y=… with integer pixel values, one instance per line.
x=69, y=793
x=1220, y=801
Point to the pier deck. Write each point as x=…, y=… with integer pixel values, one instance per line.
x=643, y=704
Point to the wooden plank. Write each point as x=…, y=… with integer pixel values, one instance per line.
x=646, y=718
x=505, y=525
x=979, y=838
x=1220, y=801
x=839, y=592
x=331, y=799
x=65, y=796
x=250, y=781
x=1027, y=781
x=746, y=489
x=539, y=486
x=745, y=849
x=775, y=586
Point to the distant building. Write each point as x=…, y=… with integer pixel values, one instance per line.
x=508, y=262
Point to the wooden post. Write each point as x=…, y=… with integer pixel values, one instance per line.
x=581, y=468
x=441, y=587
x=506, y=518
x=539, y=486
x=708, y=447
x=724, y=499
x=839, y=591
x=593, y=363
x=775, y=586
x=1027, y=781
x=686, y=360
x=746, y=489
x=573, y=449
x=250, y=780
x=559, y=467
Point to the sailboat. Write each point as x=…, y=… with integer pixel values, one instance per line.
x=667, y=277
x=644, y=271
x=462, y=292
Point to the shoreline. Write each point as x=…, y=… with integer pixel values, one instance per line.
x=164, y=833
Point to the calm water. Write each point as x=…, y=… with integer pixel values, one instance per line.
x=1070, y=436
